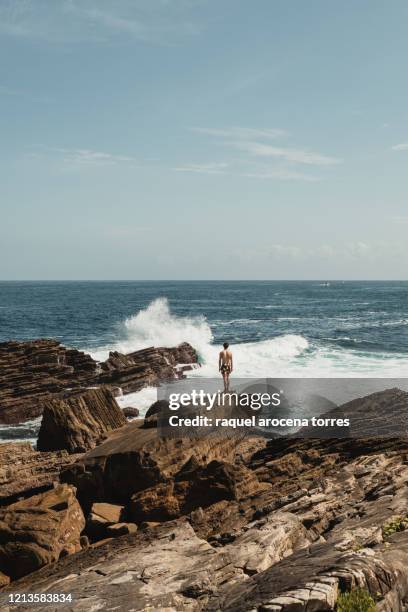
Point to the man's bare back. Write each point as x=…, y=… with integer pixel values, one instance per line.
x=225, y=365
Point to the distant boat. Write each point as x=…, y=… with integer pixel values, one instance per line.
x=326, y=284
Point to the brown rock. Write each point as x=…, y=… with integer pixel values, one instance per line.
x=31, y=372
x=80, y=421
x=24, y=471
x=120, y=529
x=130, y=412
x=146, y=367
x=157, y=407
x=194, y=486
x=101, y=517
x=334, y=519
x=4, y=580
x=106, y=513
x=133, y=459
x=39, y=530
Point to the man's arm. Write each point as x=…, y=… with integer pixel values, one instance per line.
x=219, y=363
x=231, y=366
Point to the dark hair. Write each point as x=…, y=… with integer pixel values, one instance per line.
x=225, y=345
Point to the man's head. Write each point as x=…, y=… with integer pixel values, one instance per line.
x=225, y=345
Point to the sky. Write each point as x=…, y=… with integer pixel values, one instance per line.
x=203, y=139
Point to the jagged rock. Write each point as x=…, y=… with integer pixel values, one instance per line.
x=146, y=367
x=24, y=471
x=79, y=422
x=332, y=517
x=39, y=530
x=133, y=459
x=192, y=487
x=31, y=372
x=130, y=412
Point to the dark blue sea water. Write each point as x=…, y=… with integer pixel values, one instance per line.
x=276, y=329
x=293, y=328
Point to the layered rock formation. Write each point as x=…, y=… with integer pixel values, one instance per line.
x=33, y=372
x=147, y=367
x=24, y=471
x=135, y=459
x=216, y=522
x=332, y=520
x=39, y=530
x=79, y=421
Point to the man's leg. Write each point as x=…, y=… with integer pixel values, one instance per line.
x=225, y=378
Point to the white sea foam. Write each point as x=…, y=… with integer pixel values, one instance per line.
x=142, y=399
x=157, y=326
x=288, y=355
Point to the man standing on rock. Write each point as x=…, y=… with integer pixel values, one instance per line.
x=225, y=365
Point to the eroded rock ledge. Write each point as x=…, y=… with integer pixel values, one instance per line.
x=33, y=372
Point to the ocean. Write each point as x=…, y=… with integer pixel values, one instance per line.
x=276, y=329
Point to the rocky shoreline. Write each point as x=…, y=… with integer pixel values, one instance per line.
x=124, y=519
x=31, y=373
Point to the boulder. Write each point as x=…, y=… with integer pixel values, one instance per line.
x=161, y=406
x=80, y=421
x=101, y=517
x=39, y=530
x=106, y=513
x=130, y=412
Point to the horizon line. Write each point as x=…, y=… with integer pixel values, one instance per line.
x=210, y=280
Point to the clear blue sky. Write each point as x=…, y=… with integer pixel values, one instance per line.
x=194, y=139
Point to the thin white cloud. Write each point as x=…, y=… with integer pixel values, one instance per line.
x=88, y=156
x=209, y=168
x=82, y=157
x=403, y=146
x=298, y=156
x=253, y=145
x=151, y=21
x=238, y=168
